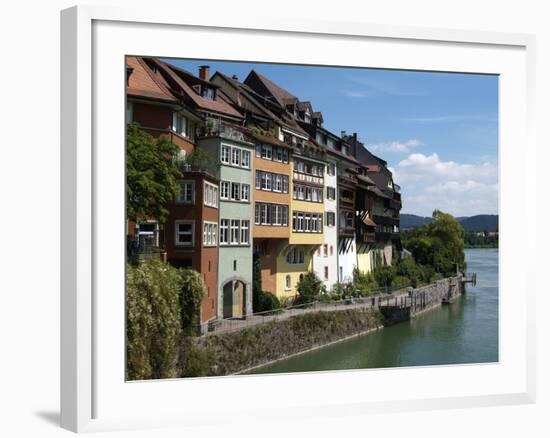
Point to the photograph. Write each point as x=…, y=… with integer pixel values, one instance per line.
x=285, y=218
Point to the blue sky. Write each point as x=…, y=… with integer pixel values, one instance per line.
x=437, y=131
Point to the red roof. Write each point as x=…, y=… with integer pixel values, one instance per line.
x=177, y=77
x=144, y=82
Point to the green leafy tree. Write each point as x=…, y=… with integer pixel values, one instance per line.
x=153, y=322
x=309, y=288
x=190, y=296
x=152, y=173
x=439, y=244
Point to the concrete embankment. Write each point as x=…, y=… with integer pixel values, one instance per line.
x=240, y=350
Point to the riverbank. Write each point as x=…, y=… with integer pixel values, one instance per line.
x=245, y=350
x=460, y=333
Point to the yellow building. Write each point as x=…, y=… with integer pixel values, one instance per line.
x=307, y=211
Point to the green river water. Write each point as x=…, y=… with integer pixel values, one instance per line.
x=464, y=332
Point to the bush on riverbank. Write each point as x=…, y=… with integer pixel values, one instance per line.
x=162, y=309
x=222, y=354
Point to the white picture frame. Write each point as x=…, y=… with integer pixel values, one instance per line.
x=92, y=384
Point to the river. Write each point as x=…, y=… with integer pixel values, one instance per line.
x=463, y=332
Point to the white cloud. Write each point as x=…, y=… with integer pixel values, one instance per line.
x=356, y=93
x=394, y=146
x=462, y=189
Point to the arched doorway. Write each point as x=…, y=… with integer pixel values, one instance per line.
x=234, y=296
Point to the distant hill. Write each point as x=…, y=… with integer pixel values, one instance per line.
x=480, y=222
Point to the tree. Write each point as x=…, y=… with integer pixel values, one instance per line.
x=153, y=321
x=439, y=244
x=190, y=297
x=309, y=288
x=152, y=173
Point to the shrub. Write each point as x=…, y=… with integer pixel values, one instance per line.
x=407, y=267
x=153, y=325
x=363, y=283
x=268, y=302
x=384, y=275
x=400, y=281
x=190, y=294
x=309, y=288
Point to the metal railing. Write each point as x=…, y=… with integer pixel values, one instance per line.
x=380, y=297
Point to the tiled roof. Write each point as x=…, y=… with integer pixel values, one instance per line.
x=282, y=96
x=144, y=83
x=178, y=80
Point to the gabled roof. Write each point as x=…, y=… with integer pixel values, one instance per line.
x=143, y=82
x=180, y=83
x=282, y=96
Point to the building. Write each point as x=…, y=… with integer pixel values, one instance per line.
x=188, y=237
x=378, y=208
x=306, y=185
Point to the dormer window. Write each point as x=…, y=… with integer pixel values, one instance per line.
x=208, y=93
x=390, y=184
x=345, y=150
x=307, y=116
x=331, y=143
x=319, y=138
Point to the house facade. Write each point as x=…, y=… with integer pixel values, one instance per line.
x=272, y=184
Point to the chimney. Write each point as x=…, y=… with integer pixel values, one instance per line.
x=203, y=72
x=342, y=134
x=235, y=77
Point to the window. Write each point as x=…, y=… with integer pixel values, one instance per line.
x=224, y=190
x=225, y=152
x=325, y=250
x=187, y=192
x=295, y=256
x=179, y=124
x=234, y=231
x=285, y=184
x=346, y=220
x=319, y=138
x=271, y=214
x=235, y=191
x=264, y=217
x=208, y=93
x=326, y=272
x=224, y=232
x=331, y=193
x=258, y=179
x=284, y=215
x=285, y=155
x=331, y=143
x=331, y=170
x=210, y=234
x=184, y=233
x=307, y=222
x=258, y=150
x=235, y=156
x=277, y=183
x=245, y=159
x=245, y=192
x=245, y=232
x=257, y=209
x=331, y=250
x=312, y=194
x=210, y=195
x=279, y=154
x=267, y=151
x=266, y=181
x=288, y=282
x=276, y=215
x=331, y=218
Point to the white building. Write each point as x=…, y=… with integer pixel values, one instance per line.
x=325, y=259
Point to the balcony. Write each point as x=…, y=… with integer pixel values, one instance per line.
x=217, y=128
x=346, y=231
x=310, y=179
x=368, y=238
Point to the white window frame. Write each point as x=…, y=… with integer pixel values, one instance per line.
x=235, y=186
x=234, y=231
x=225, y=188
x=210, y=195
x=245, y=190
x=244, y=232
x=224, y=227
x=177, y=233
x=277, y=183
x=245, y=162
x=180, y=124
x=183, y=183
x=225, y=158
x=210, y=234
x=288, y=282
x=235, y=157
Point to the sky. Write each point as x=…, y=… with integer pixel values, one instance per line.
x=437, y=131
